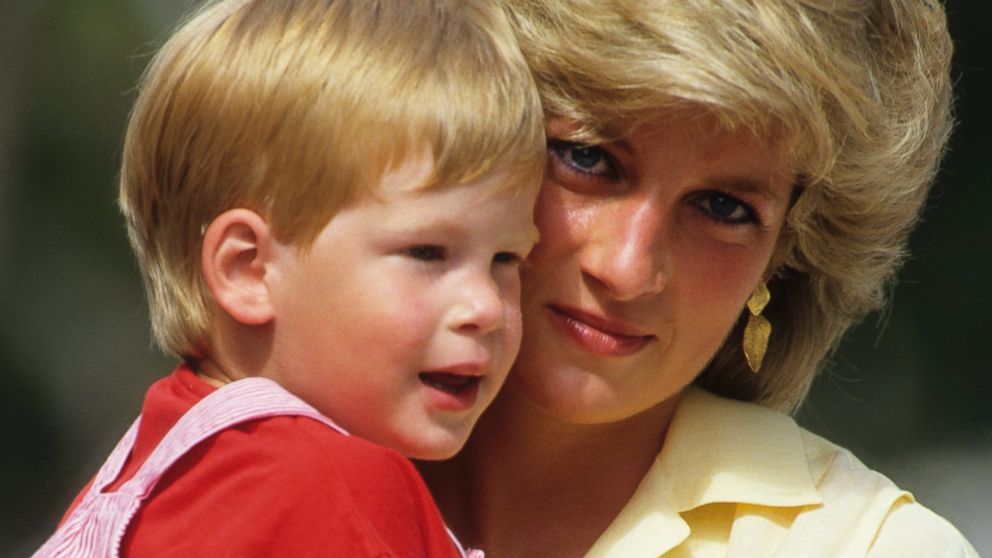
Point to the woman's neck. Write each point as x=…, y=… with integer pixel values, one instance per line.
x=529, y=484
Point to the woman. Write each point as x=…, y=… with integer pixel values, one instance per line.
x=716, y=169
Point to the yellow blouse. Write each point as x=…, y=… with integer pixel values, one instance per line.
x=736, y=479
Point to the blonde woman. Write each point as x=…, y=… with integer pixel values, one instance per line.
x=730, y=187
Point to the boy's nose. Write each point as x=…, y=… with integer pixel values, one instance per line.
x=479, y=309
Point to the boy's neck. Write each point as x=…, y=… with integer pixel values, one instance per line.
x=234, y=351
x=210, y=373
x=530, y=484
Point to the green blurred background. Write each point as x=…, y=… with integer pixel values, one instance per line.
x=908, y=392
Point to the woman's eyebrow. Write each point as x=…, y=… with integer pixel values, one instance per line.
x=747, y=184
x=622, y=144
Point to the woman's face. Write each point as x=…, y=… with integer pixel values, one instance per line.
x=650, y=247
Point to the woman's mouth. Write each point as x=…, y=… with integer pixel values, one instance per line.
x=598, y=335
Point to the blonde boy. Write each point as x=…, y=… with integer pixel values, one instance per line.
x=329, y=201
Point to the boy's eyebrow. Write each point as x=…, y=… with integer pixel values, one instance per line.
x=452, y=227
x=411, y=224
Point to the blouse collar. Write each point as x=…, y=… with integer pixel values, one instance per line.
x=716, y=450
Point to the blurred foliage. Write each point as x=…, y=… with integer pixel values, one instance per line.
x=74, y=350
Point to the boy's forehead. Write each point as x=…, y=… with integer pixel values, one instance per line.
x=417, y=175
x=446, y=198
x=460, y=211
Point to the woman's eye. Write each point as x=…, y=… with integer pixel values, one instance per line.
x=426, y=252
x=726, y=208
x=586, y=159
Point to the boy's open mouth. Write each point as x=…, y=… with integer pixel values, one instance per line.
x=454, y=384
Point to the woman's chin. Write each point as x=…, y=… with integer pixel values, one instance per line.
x=569, y=396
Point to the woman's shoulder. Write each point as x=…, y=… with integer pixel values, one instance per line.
x=911, y=529
x=827, y=501
x=895, y=524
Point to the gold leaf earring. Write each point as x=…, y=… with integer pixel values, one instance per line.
x=758, y=328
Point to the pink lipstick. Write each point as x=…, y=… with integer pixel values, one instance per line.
x=598, y=335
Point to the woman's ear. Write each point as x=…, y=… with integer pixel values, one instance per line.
x=237, y=251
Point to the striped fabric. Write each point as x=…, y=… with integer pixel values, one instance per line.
x=96, y=526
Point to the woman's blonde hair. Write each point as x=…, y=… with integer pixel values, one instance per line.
x=297, y=107
x=856, y=92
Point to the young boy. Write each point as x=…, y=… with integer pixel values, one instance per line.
x=329, y=201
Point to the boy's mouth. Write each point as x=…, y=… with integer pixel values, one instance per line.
x=451, y=392
x=449, y=383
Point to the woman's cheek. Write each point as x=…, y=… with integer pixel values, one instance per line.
x=562, y=218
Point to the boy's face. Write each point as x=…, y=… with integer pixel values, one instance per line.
x=401, y=321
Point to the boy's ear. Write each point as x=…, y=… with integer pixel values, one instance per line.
x=238, y=248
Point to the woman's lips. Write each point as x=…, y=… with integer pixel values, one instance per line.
x=597, y=335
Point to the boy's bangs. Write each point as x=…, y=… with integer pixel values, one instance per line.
x=469, y=130
x=473, y=109
x=463, y=96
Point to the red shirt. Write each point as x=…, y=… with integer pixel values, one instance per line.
x=281, y=486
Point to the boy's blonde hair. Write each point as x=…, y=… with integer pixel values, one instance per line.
x=856, y=92
x=294, y=108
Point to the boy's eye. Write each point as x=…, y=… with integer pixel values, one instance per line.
x=426, y=252
x=506, y=258
x=725, y=208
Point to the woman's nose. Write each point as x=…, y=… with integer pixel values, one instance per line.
x=626, y=253
x=478, y=308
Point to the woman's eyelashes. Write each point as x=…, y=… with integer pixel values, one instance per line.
x=584, y=163
x=725, y=208
x=588, y=160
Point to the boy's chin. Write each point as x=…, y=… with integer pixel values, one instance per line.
x=438, y=448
